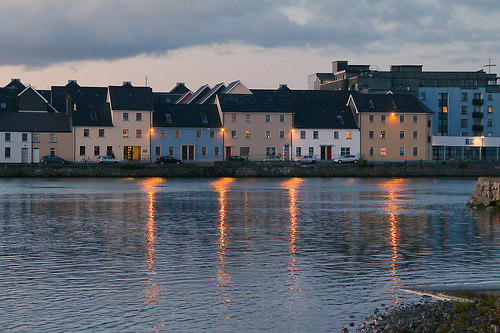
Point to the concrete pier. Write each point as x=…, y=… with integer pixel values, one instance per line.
x=487, y=192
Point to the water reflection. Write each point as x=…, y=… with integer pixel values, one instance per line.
x=292, y=186
x=392, y=207
x=152, y=289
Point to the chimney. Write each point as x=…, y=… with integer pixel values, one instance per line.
x=72, y=81
x=15, y=80
x=127, y=84
x=69, y=110
x=283, y=85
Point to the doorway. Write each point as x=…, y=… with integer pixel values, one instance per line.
x=228, y=153
x=132, y=153
x=326, y=152
x=188, y=152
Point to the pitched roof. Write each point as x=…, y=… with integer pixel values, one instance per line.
x=325, y=77
x=16, y=84
x=179, y=88
x=186, y=115
x=166, y=98
x=399, y=103
x=31, y=100
x=209, y=97
x=321, y=109
x=233, y=85
x=87, y=114
x=34, y=122
x=131, y=98
x=198, y=94
x=270, y=103
x=9, y=98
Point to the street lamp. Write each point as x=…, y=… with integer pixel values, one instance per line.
x=481, y=148
x=291, y=144
x=223, y=148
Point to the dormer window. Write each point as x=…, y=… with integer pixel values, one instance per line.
x=93, y=117
x=371, y=106
x=168, y=118
x=204, y=119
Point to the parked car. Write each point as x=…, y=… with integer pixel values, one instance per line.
x=346, y=159
x=106, y=159
x=272, y=158
x=53, y=159
x=167, y=160
x=236, y=159
x=306, y=159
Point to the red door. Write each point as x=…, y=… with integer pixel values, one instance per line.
x=329, y=152
x=228, y=152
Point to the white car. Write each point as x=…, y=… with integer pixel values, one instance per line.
x=346, y=159
x=106, y=159
x=272, y=158
x=306, y=159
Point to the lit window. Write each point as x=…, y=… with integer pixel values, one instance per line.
x=248, y=134
x=268, y=134
x=382, y=151
x=163, y=134
x=125, y=133
x=445, y=109
x=490, y=109
x=233, y=117
x=177, y=133
x=348, y=135
x=138, y=133
x=53, y=138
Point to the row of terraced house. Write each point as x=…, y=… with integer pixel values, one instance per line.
x=135, y=124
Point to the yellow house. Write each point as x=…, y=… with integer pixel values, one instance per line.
x=394, y=127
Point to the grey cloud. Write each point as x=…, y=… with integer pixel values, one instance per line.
x=39, y=33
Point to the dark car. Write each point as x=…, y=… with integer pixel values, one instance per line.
x=236, y=159
x=167, y=160
x=53, y=159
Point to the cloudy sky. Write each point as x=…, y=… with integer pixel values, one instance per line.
x=261, y=42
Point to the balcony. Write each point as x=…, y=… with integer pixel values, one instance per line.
x=477, y=101
x=477, y=115
x=477, y=128
x=442, y=102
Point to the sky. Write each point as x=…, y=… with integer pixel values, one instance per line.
x=263, y=43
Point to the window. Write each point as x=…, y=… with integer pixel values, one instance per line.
x=97, y=150
x=168, y=118
x=311, y=150
x=24, y=137
x=53, y=138
x=52, y=152
x=233, y=134
x=125, y=116
x=7, y=152
x=203, y=151
x=244, y=151
x=335, y=134
x=464, y=109
x=382, y=151
x=138, y=116
x=383, y=134
x=125, y=133
x=247, y=118
x=302, y=134
x=216, y=151
x=371, y=134
x=248, y=134
x=315, y=134
x=177, y=133
x=298, y=151
x=171, y=151
x=464, y=134
x=204, y=119
x=82, y=150
x=490, y=96
x=382, y=118
x=3, y=105
x=138, y=133
x=268, y=118
x=422, y=96
x=370, y=151
x=101, y=132
x=212, y=134
x=282, y=134
x=233, y=117
x=268, y=134
x=415, y=134
x=163, y=134
x=270, y=151
x=345, y=151
x=282, y=118
x=464, y=123
x=348, y=135
x=198, y=133
x=490, y=109
x=415, y=151
x=490, y=123
x=415, y=119
x=371, y=118
x=86, y=132
x=36, y=137
x=157, y=150
x=401, y=134
x=109, y=151
x=464, y=97
x=401, y=151
x=401, y=119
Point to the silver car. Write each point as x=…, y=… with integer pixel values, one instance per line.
x=306, y=159
x=346, y=159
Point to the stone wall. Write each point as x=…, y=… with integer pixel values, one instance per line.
x=487, y=192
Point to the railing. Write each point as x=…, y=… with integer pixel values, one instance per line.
x=477, y=101
x=478, y=115
x=477, y=128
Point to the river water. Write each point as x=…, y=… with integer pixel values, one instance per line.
x=289, y=254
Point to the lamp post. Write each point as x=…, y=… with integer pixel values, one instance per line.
x=223, y=153
x=481, y=148
x=291, y=144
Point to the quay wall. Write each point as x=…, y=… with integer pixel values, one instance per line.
x=487, y=192
x=255, y=169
